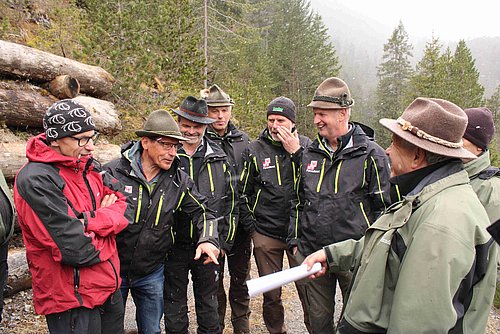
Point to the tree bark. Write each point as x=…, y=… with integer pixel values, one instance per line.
x=19, y=278
x=64, y=87
x=104, y=113
x=23, y=105
x=13, y=156
x=40, y=66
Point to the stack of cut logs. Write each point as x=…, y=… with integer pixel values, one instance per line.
x=31, y=80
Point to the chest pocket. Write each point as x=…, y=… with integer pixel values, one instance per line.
x=271, y=171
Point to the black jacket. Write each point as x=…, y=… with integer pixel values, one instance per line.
x=213, y=175
x=267, y=186
x=233, y=143
x=339, y=194
x=7, y=212
x=143, y=245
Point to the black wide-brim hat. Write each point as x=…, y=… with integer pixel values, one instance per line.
x=194, y=110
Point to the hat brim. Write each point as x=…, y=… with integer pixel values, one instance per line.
x=393, y=126
x=325, y=105
x=193, y=118
x=219, y=104
x=170, y=134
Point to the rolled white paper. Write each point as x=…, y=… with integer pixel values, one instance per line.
x=275, y=280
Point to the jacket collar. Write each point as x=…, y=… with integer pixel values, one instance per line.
x=231, y=132
x=132, y=152
x=38, y=150
x=476, y=166
x=352, y=141
x=439, y=177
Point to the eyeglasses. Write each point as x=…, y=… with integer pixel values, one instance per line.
x=85, y=140
x=168, y=146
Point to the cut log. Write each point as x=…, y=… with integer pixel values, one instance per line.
x=40, y=66
x=23, y=105
x=64, y=87
x=104, y=113
x=19, y=278
x=13, y=156
x=24, y=108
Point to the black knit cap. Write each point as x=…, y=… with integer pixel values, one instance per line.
x=66, y=118
x=282, y=106
x=480, y=127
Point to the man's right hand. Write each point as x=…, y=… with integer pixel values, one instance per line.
x=108, y=200
x=318, y=256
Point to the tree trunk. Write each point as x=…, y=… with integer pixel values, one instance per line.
x=36, y=65
x=13, y=156
x=104, y=114
x=19, y=278
x=23, y=105
x=64, y=87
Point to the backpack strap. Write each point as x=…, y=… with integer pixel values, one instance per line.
x=489, y=172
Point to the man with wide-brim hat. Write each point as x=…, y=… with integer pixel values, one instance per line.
x=207, y=164
x=150, y=173
x=343, y=187
x=428, y=264
x=233, y=142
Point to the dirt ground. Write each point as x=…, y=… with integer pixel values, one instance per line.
x=19, y=316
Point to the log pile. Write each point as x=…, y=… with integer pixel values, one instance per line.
x=30, y=81
x=38, y=66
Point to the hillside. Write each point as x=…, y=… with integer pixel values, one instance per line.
x=359, y=41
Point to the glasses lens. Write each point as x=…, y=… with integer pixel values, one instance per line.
x=85, y=140
x=169, y=146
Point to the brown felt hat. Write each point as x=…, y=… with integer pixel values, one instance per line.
x=333, y=93
x=161, y=124
x=216, y=97
x=434, y=125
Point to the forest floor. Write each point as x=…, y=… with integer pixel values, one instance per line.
x=19, y=316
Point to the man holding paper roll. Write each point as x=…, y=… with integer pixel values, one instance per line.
x=428, y=264
x=266, y=189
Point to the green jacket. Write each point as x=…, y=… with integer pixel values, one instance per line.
x=486, y=185
x=6, y=227
x=425, y=266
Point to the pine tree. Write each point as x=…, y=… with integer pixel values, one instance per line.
x=300, y=55
x=449, y=76
x=236, y=59
x=493, y=103
x=394, y=75
x=261, y=49
x=149, y=46
x=429, y=74
x=464, y=88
